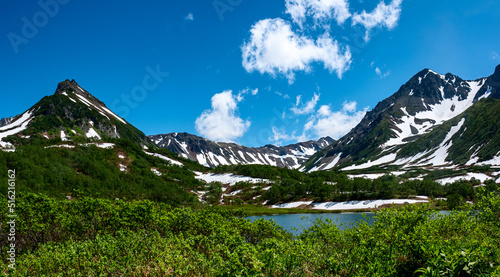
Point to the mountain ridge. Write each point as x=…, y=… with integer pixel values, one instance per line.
x=212, y=154
x=424, y=102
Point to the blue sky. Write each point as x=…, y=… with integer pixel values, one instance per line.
x=253, y=72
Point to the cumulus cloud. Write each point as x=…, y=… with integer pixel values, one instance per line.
x=382, y=16
x=335, y=123
x=221, y=123
x=189, y=17
x=307, y=108
x=322, y=11
x=274, y=48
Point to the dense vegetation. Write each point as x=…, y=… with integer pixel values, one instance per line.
x=92, y=171
x=291, y=185
x=97, y=237
x=87, y=170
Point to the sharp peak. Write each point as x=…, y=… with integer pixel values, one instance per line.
x=428, y=70
x=72, y=86
x=67, y=84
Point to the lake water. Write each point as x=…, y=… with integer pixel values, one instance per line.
x=295, y=223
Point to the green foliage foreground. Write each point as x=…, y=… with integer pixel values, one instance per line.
x=95, y=237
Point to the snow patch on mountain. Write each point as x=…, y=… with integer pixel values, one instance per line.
x=63, y=136
x=364, y=204
x=14, y=127
x=227, y=178
x=292, y=204
x=382, y=160
x=446, y=109
x=439, y=154
x=91, y=133
x=22, y=119
x=156, y=172
x=172, y=161
x=469, y=176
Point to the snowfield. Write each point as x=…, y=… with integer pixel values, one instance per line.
x=478, y=176
x=352, y=205
x=383, y=160
x=292, y=204
x=92, y=134
x=171, y=161
x=14, y=127
x=227, y=178
x=441, y=112
x=439, y=154
x=364, y=204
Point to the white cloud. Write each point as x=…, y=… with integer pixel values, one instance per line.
x=307, y=108
x=275, y=49
x=241, y=93
x=382, y=16
x=322, y=11
x=189, y=17
x=221, y=123
x=381, y=74
x=335, y=123
x=349, y=107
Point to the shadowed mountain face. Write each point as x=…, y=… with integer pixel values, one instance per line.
x=70, y=113
x=212, y=154
x=426, y=101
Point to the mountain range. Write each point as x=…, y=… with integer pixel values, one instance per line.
x=213, y=154
x=432, y=121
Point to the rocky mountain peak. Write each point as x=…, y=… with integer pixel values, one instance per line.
x=423, y=103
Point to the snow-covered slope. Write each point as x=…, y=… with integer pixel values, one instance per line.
x=427, y=101
x=71, y=112
x=15, y=126
x=212, y=154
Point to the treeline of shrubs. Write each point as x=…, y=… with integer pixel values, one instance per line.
x=94, y=237
x=92, y=171
x=292, y=185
